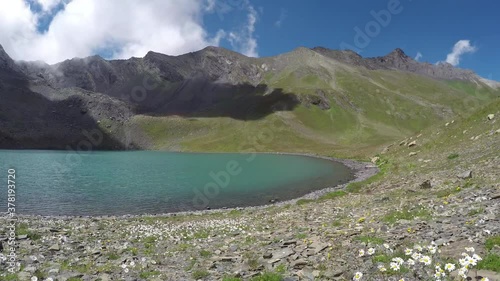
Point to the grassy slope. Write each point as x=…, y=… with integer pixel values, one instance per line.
x=369, y=109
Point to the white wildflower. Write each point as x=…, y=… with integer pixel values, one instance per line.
x=408, y=252
x=361, y=253
x=432, y=249
x=382, y=268
x=449, y=267
x=357, y=276
x=462, y=272
x=394, y=266
x=371, y=251
x=34, y=278
x=410, y=262
x=399, y=261
x=426, y=260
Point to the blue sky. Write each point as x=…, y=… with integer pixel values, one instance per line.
x=429, y=27
x=63, y=29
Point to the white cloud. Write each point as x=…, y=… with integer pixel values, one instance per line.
x=418, y=56
x=281, y=19
x=244, y=40
x=461, y=47
x=126, y=27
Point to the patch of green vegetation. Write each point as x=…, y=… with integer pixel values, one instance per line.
x=384, y=167
x=301, y=236
x=333, y=195
x=281, y=269
x=453, y=156
x=447, y=192
x=183, y=247
x=75, y=279
x=252, y=259
x=304, y=201
x=381, y=259
x=11, y=277
x=148, y=274
x=23, y=229
x=475, y=212
x=200, y=274
x=406, y=214
x=370, y=239
x=490, y=262
x=134, y=251
x=113, y=256
x=202, y=234
x=268, y=276
x=205, y=253
x=492, y=242
x=235, y=213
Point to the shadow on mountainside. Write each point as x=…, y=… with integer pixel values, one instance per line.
x=204, y=98
x=29, y=120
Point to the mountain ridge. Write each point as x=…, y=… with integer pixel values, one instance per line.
x=215, y=99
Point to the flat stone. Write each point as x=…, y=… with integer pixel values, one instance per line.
x=299, y=263
x=55, y=248
x=283, y=253
x=495, y=196
x=465, y=175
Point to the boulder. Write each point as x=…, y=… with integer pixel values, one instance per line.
x=465, y=175
x=491, y=116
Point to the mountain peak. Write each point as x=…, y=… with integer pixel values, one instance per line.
x=398, y=53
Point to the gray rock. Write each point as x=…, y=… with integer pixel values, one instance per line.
x=55, y=248
x=465, y=175
x=283, y=253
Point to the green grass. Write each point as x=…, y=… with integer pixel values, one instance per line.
x=406, y=214
x=304, y=201
x=492, y=242
x=333, y=195
x=23, y=229
x=200, y=274
x=490, y=262
x=447, y=192
x=475, y=212
x=113, y=256
x=205, y=253
x=268, y=276
x=148, y=274
x=453, y=156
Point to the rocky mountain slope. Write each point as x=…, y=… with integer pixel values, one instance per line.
x=311, y=100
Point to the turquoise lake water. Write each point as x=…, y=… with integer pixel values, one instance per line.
x=152, y=182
